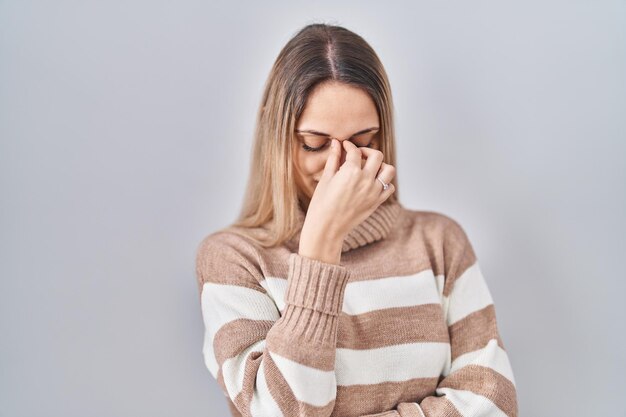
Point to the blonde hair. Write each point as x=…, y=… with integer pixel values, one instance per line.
x=316, y=53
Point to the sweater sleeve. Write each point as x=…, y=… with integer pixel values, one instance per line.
x=266, y=363
x=479, y=380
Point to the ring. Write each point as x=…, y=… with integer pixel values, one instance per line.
x=385, y=186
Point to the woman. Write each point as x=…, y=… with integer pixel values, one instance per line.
x=327, y=297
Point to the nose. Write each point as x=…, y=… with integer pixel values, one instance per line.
x=342, y=159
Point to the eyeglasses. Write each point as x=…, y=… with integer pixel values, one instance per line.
x=316, y=141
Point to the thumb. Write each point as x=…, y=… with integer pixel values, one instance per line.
x=332, y=163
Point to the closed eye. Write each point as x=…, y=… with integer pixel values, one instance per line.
x=327, y=142
x=309, y=149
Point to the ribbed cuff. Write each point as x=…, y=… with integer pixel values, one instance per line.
x=410, y=409
x=316, y=285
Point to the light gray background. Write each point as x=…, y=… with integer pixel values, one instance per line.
x=126, y=129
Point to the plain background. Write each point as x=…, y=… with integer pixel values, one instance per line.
x=126, y=129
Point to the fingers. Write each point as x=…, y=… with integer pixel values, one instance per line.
x=332, y=163
x=373, y=162
x=386, y=173
x=353, y=153
x=385, y=194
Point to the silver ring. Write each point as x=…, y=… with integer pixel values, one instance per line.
x=385, y=186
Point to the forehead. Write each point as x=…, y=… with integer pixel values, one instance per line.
x=338, y=109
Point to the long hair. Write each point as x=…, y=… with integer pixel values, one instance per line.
x=316, y=53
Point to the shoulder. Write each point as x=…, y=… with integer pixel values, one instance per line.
x=435, y=226
x=440, y=238
x=227, y=257
x=224, y=242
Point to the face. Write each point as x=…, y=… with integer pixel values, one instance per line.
x=333, y=110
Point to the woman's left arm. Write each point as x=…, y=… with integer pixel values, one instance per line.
x=479, y=381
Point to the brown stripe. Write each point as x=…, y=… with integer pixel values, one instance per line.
x=226, y=258
x=284, y=397
x=390, y=259
x=239, y=402
x=358, y=400
x=392, y=326
x=235, y=336
x=485, y=381
x=458, y=257
x=251, y=368
x=439, y=406
x=305, y=336
x=474, y=331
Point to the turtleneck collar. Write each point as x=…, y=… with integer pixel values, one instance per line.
x=375, y=227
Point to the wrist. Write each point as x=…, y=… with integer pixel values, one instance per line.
x=322, y=230
x=322, y=245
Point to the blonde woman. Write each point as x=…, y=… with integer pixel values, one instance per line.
x=327, y=297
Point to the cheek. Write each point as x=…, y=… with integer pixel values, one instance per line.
x=311, y=163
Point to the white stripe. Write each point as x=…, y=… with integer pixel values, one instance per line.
x=471, y=404
x=376, y=294
x=491, y=355
x=469, y=294
x=276, y=287
x=392, y=363
x=223, y=303
x=209, y=355
x=233, y=369
x=310, y=385
x=371, y=295
x=262, y=403
x=441, y=281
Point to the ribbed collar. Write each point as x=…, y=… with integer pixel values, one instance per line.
x=376, y=227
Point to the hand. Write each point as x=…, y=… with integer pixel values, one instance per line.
x=344, y=197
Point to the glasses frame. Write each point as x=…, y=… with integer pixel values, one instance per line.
x=298, y=133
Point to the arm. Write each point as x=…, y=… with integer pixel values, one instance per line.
x=268, y=364
x=479, y=381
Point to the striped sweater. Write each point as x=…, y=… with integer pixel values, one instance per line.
x=404, y=326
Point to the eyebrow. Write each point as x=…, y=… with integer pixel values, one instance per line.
x=315, y=132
